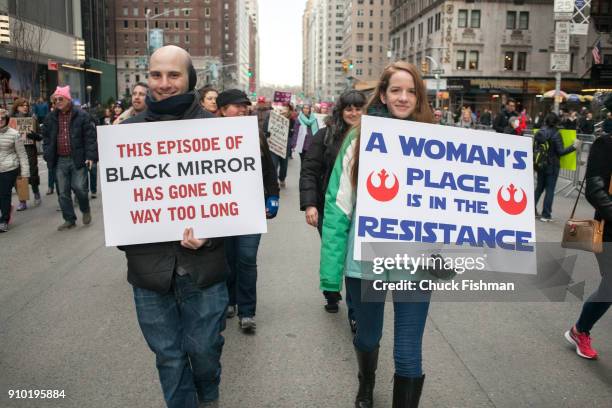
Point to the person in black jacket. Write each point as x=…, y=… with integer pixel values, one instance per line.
x=179, y=287
x=547, y=177
x=501, y=120
x=317, y=167
x=241, y=250
x=21, y=109
x=599, y=171
x=70, y=148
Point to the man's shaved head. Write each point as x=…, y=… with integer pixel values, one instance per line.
x=169, y=72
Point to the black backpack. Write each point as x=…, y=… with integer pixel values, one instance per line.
x=541, y=151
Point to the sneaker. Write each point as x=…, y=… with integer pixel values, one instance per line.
x=37, y=200
x=282, y=184
x=231, y=312
x=247, y=324
x=94, y=196
x=353, y=324
x=22, y=206
x=87, y=218
x=3, y=227
x=544, y=219
x=332, y=307
x=582, y=342
x=66, y=226
x=49, y=191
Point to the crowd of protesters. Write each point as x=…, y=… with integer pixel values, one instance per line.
x=215, y=279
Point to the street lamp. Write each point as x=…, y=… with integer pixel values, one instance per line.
x=436, y=71
x=148, y=17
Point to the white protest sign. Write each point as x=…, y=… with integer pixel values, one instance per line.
x=301, y=138
x=278, y=126
x=320, y=119
x=562, y=36
x=159, y=178
x=432, y=186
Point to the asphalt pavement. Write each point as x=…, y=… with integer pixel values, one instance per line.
x=67, y=322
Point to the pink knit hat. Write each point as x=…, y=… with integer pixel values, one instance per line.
x=63, y=91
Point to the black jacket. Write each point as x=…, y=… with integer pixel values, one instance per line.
x=83, y=141
x=599, y=171
x=151, y=266
x=317, y=167
x=501, y=120
x=556, y=149
x=270, y=179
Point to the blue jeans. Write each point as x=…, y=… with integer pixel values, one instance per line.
x=93, y=178
x=51, y=180
x=547, y=180
x=241, y=254
x=409, y=323
x=69, y=178
x=283, y=163
x=599, y=302
x=183, y=328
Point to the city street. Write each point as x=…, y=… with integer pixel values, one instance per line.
x=67, y=322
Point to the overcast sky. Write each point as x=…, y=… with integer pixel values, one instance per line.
x=280, y=37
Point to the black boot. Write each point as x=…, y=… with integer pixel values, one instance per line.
x=367, y=377
x=407, y=391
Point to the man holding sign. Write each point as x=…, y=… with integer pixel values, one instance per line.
x=179, y=287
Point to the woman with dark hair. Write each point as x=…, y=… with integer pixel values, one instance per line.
x=400, y=94
x=117, y=111
x=21, y=109
x=317, y=167
x=13, y=161
x=548, y=140
x=209, y=99
x=598, y=173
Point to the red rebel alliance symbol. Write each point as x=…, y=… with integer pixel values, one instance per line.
x=382, y=193
x=512, y=206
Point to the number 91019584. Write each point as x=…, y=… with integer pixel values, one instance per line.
x=36, y=394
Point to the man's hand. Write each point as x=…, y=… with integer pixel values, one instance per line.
x=89, y=164
x=191, y=242
x=312, y=216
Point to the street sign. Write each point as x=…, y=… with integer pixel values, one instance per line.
x=564, y=6
x=439, y=71
x=579, y=29
x=560, y=62
x=562, y=36
x=563, y=16
x=432, y=85
x=580, y=4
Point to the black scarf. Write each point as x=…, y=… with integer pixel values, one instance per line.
x=176, y=107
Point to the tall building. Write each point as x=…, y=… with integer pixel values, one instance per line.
x=366, y=37
x=488, y=50
x=47, y=44
x=322, y=46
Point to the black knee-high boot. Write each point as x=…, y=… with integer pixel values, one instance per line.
x=367, y=377
x=407, y=391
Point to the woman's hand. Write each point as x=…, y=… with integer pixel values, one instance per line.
x=191, y=242
x=312, y=216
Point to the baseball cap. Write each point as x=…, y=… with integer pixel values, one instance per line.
x=232, y=97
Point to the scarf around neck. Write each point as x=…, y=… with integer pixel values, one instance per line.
x=173, y=108
x=309, y=121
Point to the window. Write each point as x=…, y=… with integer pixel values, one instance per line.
x=430, y=25
x=411, y=35
x=206, y=11
x=360, y=12
x=473, y=62
x=420, y=31
x=437, y=23
x=125, y=38
x=125, y=24
x=475, y=19
x=508, y=61
x=359, y=48
x=135, y=11
x=127, y=64
x=125, y=11
x=460, y=60
x=524, y=20
x=186, y=39
x=511, y=20
x=371, y=13
x=370, y=48
x=521, y=61
x=135, y=23
x=371, y=37
x=187, y=12
x=360, y=24
x=463, y=16
x=186, y=25
x=137, y=77
x=135, y=38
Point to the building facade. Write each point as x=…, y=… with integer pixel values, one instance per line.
x=486, y=51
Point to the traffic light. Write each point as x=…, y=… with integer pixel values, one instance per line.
x=345, y=65
x=424, y=66
x=250, y=73
x=350, y=64
x=254, y=94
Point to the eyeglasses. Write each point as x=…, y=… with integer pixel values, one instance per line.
x=59, y=99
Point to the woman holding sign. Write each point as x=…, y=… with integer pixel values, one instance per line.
x=12, y=157
x=29, y=135
x=400, y=94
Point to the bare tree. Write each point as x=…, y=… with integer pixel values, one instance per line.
x=28, y=40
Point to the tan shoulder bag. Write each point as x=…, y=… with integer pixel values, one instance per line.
x=585, y=235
